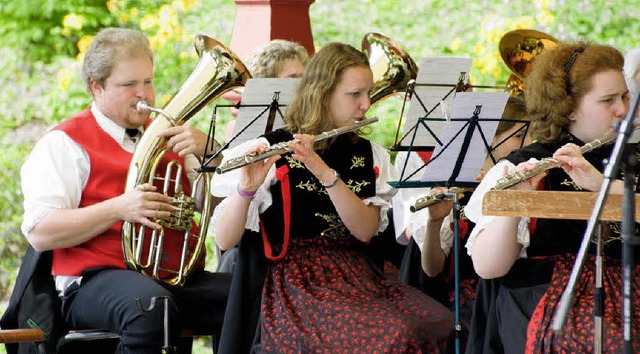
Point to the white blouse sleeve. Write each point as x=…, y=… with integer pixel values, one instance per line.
x=384, y=191
x=418, y=226
x=223, y=185
x=473, y=210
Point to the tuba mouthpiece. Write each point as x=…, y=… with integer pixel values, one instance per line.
x=142, y=106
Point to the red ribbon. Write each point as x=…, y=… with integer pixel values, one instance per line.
x=282, y=174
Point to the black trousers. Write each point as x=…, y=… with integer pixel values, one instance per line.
x=119, y=300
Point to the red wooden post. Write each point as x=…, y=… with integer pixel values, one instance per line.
x=259, y=21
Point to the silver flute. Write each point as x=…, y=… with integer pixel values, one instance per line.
x=549, y=163
x=434, y=198
x=282, y=147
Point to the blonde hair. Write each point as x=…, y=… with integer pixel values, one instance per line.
x=108, y=47
x=267, y=60
x=559, y=78
x=308, y=112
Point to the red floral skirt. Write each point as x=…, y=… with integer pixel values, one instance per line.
x=577, y=335
x=324, y=296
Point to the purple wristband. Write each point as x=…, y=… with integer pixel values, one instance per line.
x=246, y=194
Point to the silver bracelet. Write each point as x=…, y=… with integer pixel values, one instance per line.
x=335, y=181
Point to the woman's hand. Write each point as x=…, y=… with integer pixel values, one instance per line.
x=303, y=151
x=254, y=174
x=582, y=173
x=529, y=184
x=439, y=210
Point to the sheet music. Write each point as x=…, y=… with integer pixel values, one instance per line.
x=444, y=157
x=260, y=92
x=439, y=71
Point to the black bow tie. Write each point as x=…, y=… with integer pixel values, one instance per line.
x=132, y=132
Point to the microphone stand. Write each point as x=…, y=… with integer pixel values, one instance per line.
x=629, y=240
x=628, y=223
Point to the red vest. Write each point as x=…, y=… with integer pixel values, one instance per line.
x=109, y=168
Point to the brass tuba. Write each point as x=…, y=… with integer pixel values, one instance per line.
x=392, y=66
x=518, y=49
x=217, y=71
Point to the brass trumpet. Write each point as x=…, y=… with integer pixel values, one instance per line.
x=549, y=163
x=434, y=198
x=282, y=147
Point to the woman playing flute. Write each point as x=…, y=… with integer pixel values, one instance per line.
x=318, y=207
x=576, y=93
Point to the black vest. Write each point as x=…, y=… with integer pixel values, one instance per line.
x=312, y=212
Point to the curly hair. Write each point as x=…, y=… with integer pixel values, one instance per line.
x=558, y=80
x=108, y=47
x=267, y=60
x=308, y=112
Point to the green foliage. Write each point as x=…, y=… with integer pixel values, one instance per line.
x=35, y=28
x=12, y=243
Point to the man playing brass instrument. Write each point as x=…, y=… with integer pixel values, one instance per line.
x=75, y=203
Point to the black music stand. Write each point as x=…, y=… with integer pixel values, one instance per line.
x=261, y=110
x=435, y=86
x=465, y=143
x=260, y=96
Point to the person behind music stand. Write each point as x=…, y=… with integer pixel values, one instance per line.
x=278, y=58
x=427, y=264
x=575, y=94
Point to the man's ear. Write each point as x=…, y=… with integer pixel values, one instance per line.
x=95, y=87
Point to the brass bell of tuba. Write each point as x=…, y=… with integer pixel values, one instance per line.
x=217, y=71
x=518, y=49
x=392, y=66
